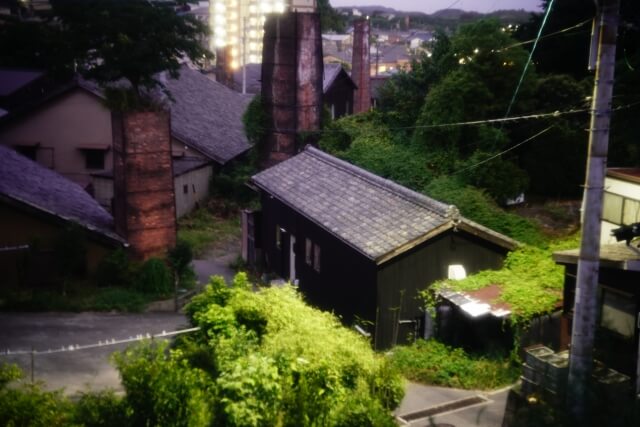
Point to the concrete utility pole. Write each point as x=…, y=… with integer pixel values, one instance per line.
x=586, y=298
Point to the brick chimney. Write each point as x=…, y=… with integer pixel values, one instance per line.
x=291, y=83
x=144, y=199
x=361, y=66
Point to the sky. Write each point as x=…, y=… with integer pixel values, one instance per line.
x=430, y=6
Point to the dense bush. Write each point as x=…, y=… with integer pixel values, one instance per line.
x=115, y=269
x=431, y=362
x=154, y=277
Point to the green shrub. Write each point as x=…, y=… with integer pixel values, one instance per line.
x=101, y=409
x=154, y=278
x=118, y=299
x=115, y=269
x=29, y=405
x=431, y=362
x=162, y=389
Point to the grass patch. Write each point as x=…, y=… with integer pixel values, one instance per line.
x=434, y=363
x=531, y=281
x=87, y=299
x=204, y=228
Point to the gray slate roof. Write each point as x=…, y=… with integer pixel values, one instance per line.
x=207, y=116
x=330, y=74
x=12, y=80
x=28, y=183
x=373, y=215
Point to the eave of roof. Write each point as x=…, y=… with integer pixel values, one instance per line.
x=436, y=209
x=618, y=256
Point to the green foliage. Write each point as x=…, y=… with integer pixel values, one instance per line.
x=154, y=277
x=101, y=409
x=29, y=405
x=531, y=281
x=8, y=372
x=230, y=183
x=431, y=362
x=119, y=299
x=180, y=257
x=115, y=269
x=205, y=227
x=277, y=361
x=476, y=205
x=330, y=19
x=255, y=120
x=133, y=40
x=161, y=388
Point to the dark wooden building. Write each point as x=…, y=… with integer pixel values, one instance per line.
x=363, y=246
x=338, y=88
x=617, y=335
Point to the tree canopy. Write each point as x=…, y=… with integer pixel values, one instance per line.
x=129, y=39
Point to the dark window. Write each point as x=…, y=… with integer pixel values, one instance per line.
x=94, y=159
x=618, y=312
x=29, y=151
x=316, y=257
x=278, y=237
x=185, y=188
x=308, y=251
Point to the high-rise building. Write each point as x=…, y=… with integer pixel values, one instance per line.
x=237, y=26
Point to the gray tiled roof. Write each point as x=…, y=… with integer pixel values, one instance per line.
x=207, y=116
x=29, y=183
x=330, y=74
x=373, y=215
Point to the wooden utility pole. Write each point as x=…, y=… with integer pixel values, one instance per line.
x=586, y=298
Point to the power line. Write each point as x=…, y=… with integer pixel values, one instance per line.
x=106, y=343
x=503, y=152
x=526, y=65
x=562, y=31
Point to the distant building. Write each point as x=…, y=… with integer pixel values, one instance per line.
x=237, y=26
x=621, y=202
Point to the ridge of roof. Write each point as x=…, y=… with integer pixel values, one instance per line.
x=414, y=197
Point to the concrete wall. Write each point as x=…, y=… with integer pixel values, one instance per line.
x=76, y=119
x=192, y=188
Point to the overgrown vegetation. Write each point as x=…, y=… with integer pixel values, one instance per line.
x=204, y=228
x=435, y=363
x=531, y=281
x=261, y=358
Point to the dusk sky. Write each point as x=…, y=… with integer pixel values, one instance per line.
x=430, y=6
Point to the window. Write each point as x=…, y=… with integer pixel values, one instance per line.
x=631, y=211
x=29, y=151
x=612, y=208
x=316, y=257
x=185, y=188
x=618, y=313
x=620, y=210
x=308, y=251
x=93, y=158
x=278, y=237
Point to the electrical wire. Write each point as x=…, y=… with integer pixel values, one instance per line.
x=562, y=31
x=107, y=342
x=502, y=152
x=526, y=65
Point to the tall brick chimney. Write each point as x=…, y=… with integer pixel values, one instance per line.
x=361, y=66
x=144, y=199
x=291, y=83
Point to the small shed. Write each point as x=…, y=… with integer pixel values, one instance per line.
x=363, y=246
x=618, y=333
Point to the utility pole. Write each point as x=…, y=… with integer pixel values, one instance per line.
x=586, y=297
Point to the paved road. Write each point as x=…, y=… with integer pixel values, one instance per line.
x=489, y=412
x=76, y=370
